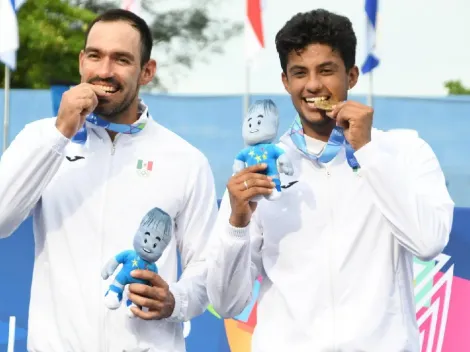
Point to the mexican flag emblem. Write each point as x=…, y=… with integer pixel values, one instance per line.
x=144, y=167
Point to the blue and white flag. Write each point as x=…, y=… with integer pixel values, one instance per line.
x=9, y=32
x=372, y=60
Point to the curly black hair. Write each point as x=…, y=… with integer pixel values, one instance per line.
x=317, y=27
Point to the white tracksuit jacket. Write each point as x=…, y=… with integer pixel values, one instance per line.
x=88, y=210
x=336, y=251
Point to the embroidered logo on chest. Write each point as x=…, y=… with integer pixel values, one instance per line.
x=144, y=168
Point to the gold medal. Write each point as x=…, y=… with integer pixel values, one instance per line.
x=326, y=105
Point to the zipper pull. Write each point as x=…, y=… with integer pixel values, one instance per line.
x=113, y=148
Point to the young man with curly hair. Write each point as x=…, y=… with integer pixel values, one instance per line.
x=335, y=252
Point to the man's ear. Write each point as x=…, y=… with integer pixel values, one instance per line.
x=353, y=76
x=148, y=72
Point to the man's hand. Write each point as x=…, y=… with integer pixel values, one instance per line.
x=76, y=104
x=156, y=296
x=356, y=121
x=242, y=188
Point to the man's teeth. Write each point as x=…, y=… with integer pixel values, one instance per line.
x=108, y=89
x=315, y=99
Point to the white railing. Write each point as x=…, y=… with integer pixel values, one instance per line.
x=11, y=334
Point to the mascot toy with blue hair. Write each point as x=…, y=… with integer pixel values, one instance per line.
x=150, y=240
x=260, y=128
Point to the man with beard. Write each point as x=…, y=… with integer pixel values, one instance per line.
x=335, y=252
x=88, y=177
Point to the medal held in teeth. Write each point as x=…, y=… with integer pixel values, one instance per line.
x=325, y=104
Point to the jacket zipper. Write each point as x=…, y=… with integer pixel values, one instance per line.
x=103, y=318
x=331, y=261
x=113, y=146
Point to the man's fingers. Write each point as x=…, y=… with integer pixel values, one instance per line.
x=257, y=191
x=247, y=185
x=154, y=279
x=145, y=302
x=250, y=178
x=88, y=105
x=150, y=315
x=241, y=178
x=142, y=290
x=252, y=169
x=344, y=115
x=256, y=182
x=237, y=183
x=337, y=108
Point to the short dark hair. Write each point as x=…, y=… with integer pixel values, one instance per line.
x=317, y=27
x=135, y=21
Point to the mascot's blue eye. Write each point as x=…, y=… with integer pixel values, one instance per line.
x=145, y=241
x=249, y=125
x=154, y=245
x=259, y=122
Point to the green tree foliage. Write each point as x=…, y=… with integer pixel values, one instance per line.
x=52, y=35
x=456, y=88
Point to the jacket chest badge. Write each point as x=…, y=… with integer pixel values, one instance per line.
x=144, y=167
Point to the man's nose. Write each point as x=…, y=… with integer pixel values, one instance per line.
x=314, y=83
x=105, y=68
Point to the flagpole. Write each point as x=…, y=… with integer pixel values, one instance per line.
x=6, y=108
x=370, y=100
x=246, y=98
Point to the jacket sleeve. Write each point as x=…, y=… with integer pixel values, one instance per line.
x=410, y=190
x=26, y=168
x=193, y=228
x=234, y=263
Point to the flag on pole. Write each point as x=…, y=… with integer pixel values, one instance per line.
x=254, y=34
x=9, y=33
x=372, y=60
x=134, y=6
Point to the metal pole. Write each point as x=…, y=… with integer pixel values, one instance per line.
x=11, y=334
x=246, y=100
x=6, y=106
x=370, y=100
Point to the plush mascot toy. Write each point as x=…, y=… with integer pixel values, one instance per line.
x=150, y=240
x=260, y=128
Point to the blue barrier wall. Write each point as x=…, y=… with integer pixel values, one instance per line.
x=213, y=124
